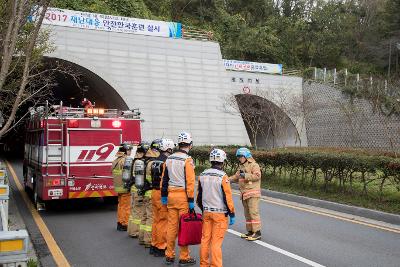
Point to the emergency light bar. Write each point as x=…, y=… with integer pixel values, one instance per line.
x=95, y=111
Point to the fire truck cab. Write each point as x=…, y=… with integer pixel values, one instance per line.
x=69, y=151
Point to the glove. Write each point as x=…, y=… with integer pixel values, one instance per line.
x=164, y=200
x=191, y=207
x=231, y=220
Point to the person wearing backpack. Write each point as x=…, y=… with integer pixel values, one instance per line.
x=160, y=212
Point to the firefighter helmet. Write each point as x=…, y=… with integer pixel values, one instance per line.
x=143, y=147
x=166, y=144
x=185, y=138
x=243, y=152
x=217, y=155
x=156, y=144
x=125, y=147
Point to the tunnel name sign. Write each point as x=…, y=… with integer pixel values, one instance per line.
x=102, y=22
x=253, y=66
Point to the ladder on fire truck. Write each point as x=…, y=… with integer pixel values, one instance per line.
x=55, y=147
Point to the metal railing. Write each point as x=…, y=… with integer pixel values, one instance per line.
x=189, y=32
x=13, y=244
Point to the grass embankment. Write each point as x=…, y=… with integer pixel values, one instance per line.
x=349, y=176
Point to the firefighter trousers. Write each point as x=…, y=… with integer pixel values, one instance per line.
x=160, y=220
x=136, y=214
x=177, y=206
x=124, y=208
x=213, y=231
x=146, y=220
x=252, y=214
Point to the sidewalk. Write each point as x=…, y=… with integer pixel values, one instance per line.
x=16, y=223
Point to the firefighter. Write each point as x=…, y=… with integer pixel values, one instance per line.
x=146, y=192
x=160, y=212
x=177, y=193
x=137, y=201
x=215, y=201
x=249, y=177
x=124, y=196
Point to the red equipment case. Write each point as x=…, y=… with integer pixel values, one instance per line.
x=190, y=229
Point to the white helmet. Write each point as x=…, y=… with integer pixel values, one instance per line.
x=217, y=155
x=185, y=137
x=166, y=144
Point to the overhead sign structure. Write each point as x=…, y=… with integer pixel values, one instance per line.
x=253, y=66
x=101, y=22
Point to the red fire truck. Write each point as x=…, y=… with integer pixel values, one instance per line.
x=69, y=151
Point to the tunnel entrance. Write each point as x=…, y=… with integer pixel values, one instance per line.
x=267, y=125
x=70, y=89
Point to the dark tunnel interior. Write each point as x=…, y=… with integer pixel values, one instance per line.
x=70, y=89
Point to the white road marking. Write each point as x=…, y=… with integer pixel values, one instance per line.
x=281, y=251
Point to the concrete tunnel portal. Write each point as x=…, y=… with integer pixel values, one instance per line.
x=71, y=89
x=267, y=125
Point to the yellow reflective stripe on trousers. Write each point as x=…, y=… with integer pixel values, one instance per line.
x=133, y=189
x=146, y=228
x=148, y=178
x=117, y=171
x=148, y=193
x=136, y=221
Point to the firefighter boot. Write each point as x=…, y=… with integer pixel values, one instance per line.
x=255, y=236
x=187, y=262
x=245, y=236
x=121, y=227
x=159, y=253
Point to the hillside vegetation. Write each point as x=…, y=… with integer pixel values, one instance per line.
x=353, y=34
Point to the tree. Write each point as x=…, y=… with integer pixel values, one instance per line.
x=22, y=44
x=249, y=108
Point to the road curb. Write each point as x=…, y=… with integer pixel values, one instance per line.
x=362, y=212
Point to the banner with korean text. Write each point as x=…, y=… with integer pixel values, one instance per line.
x=253, y=66
x=101, y=22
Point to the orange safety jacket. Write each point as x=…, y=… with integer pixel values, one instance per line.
x=214, y=192
x=178, y=172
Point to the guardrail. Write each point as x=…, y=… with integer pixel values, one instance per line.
x=13, y=244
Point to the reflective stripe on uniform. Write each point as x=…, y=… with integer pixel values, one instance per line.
x=215, y=209
x=146, y=228
x=255, y=191
x=253, y=222
x=148, y=178
x=117, y=172
x=148, y=193
x=136, y=221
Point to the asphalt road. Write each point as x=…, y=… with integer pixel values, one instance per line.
x=85, y=232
